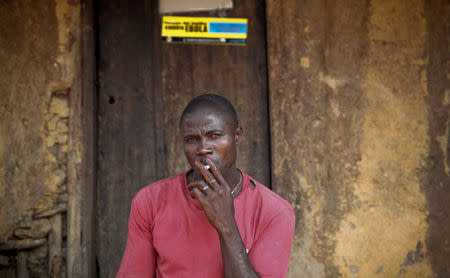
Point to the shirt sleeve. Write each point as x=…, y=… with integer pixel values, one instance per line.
x=270, y=253
x=139, y=258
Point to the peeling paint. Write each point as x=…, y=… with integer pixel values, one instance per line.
x=332, y=82
x=443, y=143
x=446, y=100
x=304, y=62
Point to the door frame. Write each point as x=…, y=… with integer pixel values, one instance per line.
x=81, y=261
x=81, y=254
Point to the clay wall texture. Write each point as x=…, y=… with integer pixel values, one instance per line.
x=38, y=73
x=359, y=104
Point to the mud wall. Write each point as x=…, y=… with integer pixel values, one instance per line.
x=39, y=54
x=359, y=105
x=359, y=109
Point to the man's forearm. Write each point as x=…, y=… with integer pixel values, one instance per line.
x=234, y=256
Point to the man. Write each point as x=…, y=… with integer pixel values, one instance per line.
x=213, y=220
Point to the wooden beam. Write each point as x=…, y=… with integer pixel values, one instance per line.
x=81, y=218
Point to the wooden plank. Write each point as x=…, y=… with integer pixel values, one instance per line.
x=55, y=239
x=22, y=270
x=129, y=109
x=88, y=178
x=73, y=248
x=144, y=85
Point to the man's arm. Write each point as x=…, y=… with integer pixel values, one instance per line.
x=139, y=259
x=269, y=254
x=234, y=257
x=217, y=203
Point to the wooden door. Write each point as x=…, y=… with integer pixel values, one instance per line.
x=143, y=87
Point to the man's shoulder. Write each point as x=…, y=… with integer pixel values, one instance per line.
x=160, y=187
x=269, y=199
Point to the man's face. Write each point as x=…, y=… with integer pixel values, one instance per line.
x=209, y=133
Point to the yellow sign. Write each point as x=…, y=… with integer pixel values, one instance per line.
x=205, y=29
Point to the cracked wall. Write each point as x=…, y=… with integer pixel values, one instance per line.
x=359, y=129
x=390, y=218
x=39, y=60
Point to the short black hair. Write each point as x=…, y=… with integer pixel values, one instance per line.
x=211, y=100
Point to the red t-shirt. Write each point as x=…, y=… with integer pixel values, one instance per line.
x=169, y=235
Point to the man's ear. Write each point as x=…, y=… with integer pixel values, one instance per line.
x=238, y=135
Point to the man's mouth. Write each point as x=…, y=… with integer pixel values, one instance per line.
x=203, y=161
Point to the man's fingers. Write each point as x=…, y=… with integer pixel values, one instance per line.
x=217, y=175
x=207, y=176
x=199, y=185
x=198, y=194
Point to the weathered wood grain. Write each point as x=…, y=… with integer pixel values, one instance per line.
x=144, y=85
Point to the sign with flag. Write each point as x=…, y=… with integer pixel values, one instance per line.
x=215, y=30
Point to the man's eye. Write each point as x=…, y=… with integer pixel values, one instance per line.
x=190, y=140
x=216, y=135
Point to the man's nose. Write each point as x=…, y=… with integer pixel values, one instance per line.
x=203, y=148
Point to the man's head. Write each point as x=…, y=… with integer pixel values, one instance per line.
x=210, y=100
x=210, y=128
